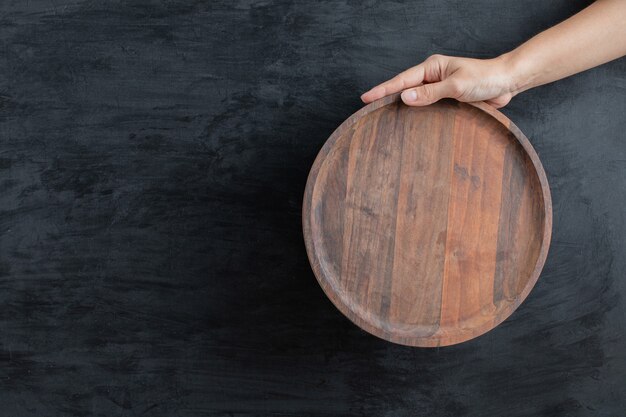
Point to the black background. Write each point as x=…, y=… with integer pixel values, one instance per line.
x=153, y=157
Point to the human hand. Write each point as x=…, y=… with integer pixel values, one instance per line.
x=591, y=37
x=440, y=76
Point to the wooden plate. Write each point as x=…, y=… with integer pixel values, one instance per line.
x=427, y=226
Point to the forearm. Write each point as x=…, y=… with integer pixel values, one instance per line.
x=592, y=37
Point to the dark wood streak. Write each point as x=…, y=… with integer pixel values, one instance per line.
x=397, y=135
x=513, y=180
x=431, y=225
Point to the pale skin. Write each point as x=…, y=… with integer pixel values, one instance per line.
x=592, y=37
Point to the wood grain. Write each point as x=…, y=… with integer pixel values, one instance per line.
x=427, y=226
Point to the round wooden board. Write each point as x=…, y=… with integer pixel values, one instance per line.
x=427, y=226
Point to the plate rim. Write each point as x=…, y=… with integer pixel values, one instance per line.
x=437, y=339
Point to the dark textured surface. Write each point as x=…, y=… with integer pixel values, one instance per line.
x=153, y=157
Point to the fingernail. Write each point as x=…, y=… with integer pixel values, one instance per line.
x=409, y=95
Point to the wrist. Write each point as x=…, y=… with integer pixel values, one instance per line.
x=516, y=71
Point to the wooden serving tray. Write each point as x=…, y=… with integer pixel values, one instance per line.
x=427, y=226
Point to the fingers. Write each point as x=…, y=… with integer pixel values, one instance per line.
x=500, y=101
x=409, y=78
x=495, y=103
x=429, y=93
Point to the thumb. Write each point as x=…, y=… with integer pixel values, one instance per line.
x=428, y=93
